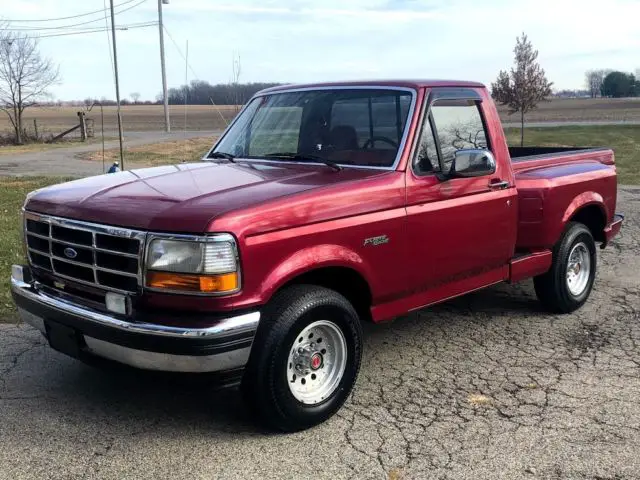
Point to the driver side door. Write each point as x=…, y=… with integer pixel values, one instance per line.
x=461, y=230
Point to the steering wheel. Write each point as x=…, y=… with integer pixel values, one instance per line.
x=369, y=143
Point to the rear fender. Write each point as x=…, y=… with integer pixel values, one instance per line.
x=585, y=199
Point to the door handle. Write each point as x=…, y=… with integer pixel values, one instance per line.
x=499, y=185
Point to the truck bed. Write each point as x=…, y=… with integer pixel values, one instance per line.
x=554, y=184
x=520, y=153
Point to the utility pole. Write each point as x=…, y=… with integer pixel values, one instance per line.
x=165, y=98
x=115, y=67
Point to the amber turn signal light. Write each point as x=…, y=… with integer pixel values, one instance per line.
x=193, y=283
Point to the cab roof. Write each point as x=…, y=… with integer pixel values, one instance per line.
x=413, y=84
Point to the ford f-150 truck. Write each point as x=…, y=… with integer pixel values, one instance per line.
x=320, y=207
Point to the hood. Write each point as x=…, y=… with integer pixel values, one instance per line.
x=182, y=198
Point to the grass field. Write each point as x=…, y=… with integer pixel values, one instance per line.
x=135, y=118
x=209, y=117
x=12, y=194
x=189, y=150
x=624, y=139
x=581, y=109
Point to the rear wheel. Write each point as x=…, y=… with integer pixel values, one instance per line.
x=568, y=283
x=305, y=358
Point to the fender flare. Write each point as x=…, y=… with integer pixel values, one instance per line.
x=585, y=199
x=313, y=258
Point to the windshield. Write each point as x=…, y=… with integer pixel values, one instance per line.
x=363, y=127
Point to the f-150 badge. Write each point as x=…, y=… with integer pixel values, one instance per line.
x=375, y=241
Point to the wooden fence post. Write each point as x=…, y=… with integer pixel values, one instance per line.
x=83, y=126
x=35, y=128
x=90, y=131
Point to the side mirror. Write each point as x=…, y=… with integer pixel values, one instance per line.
x=472, y=163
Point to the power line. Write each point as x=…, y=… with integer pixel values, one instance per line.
x=186, y=61
x=83, y=29
x=180, y=52
x=95, y=30
x=30, y=20
x=64, y=27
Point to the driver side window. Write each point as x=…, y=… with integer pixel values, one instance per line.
x=426, y=160
x=459, y=126
x=451, y=125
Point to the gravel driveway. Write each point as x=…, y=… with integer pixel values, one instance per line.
x=486, y=386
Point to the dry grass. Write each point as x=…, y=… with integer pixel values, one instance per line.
x=395, y=474
x=164, y=153
x=581, y=109
x=478, y=399
x=39, y=147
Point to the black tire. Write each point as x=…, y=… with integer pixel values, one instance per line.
x=265, y=382
x=551, y=287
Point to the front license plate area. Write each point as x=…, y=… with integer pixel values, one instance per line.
x=63, y=339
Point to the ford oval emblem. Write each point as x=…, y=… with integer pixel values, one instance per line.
x=70, y=253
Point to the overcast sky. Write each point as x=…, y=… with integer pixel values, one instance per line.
x=317, y=40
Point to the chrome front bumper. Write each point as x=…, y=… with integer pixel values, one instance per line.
x=224, y=346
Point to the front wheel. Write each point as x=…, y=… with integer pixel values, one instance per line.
x=568, y=283
x=305, y=358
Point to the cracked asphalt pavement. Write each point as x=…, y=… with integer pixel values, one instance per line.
x=485, y=386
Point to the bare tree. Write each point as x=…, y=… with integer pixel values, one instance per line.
x=25, y=77
x=464, y=138
x=135, y=96
x=525, y=85
x=594, y=80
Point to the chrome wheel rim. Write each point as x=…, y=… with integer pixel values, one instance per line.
x=317, y=361
x=578, y=269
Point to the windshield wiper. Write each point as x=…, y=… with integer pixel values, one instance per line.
x=226, y=156
x=304, y=158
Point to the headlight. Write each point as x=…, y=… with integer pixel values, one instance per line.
x=203, y=265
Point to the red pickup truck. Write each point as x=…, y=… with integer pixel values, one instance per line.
x=320, y=207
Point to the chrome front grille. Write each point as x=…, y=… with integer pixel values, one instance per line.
x=98, y=255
